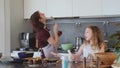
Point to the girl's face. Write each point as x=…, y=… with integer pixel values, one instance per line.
x=88, y=34
x=43, y=18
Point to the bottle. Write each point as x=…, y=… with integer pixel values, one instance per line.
x=84, y=62
x=64, y=61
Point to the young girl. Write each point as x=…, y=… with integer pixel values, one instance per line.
x=93, y=43
x=44, y=40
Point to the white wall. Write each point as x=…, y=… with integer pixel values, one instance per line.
x=18, y=24
x=11, y=24
x=2, y=27
x=5, y=27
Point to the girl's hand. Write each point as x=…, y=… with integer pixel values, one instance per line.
x=72, y=56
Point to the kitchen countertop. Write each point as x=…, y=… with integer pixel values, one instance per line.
x=25, y=65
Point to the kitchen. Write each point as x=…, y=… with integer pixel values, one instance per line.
x=15, y=23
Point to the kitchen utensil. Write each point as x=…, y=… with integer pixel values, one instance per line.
x=79, y=41
x=67, y=46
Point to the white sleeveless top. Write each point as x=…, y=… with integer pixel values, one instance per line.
x=87, y=50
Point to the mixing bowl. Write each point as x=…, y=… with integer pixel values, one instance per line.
x=67, y=46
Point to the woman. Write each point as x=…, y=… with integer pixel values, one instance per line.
x=44, y=39
x=93, y=43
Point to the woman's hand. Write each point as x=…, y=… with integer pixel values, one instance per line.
x=55, y=28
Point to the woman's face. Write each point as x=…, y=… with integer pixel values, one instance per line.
x=88, y=34
x=43, y=18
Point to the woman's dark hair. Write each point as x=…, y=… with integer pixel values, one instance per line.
x=34, y=20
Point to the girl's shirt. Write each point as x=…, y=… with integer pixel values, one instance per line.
x=87, y=51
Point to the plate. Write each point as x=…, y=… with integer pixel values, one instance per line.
x=51, y=60
x=33, y=65
x=116, y=65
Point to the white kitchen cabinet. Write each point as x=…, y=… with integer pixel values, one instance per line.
x=87, y=7
x=30, y=6
x=59, y=8
x=70, y=8
x=111, y=7
x=75, y=8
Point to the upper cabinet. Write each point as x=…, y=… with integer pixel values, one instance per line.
x=87, y=8
x=59, y=8
x=71, y=8
x=30, y=6
x=111, y=7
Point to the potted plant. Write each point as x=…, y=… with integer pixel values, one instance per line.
x=114, y=40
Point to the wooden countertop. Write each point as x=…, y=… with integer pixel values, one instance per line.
x=49, y=65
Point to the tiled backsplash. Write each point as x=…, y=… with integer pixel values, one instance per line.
x=72, y=28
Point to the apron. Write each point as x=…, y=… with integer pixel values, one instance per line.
x=48, y=49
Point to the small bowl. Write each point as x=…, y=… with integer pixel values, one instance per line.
x=67, y=46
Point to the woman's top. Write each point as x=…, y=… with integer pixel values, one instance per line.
x=87, y=51
x=46, y=48
x=42, y=37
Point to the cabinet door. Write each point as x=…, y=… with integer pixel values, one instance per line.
x=59, y=8
x=111, y=7
x=75, y=7
x=87, y=7
x=30, y=6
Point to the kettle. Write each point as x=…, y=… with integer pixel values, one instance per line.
x=78, y=41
